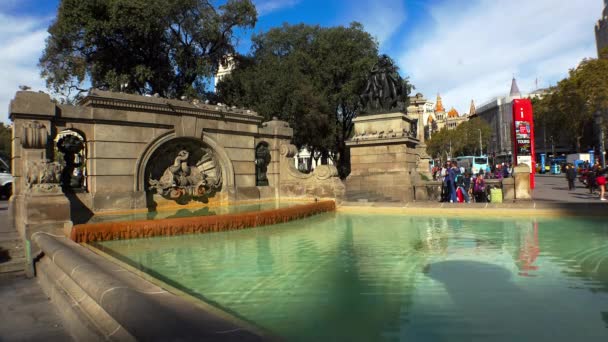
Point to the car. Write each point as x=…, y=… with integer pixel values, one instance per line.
x=6, y=180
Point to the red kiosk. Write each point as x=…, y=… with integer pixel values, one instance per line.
x=523, y=136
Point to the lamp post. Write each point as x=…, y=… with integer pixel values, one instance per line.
x=480, y=144
x=599, y=121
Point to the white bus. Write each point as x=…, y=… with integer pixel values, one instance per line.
x=473, y=163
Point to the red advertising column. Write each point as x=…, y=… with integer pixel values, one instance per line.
x=523, y=136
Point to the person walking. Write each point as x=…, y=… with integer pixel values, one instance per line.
x=600, y=180
x=591, y=177
x=452, y=172
x=570, y=176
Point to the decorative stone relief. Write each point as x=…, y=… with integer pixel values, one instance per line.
x=35, y=135
x=43, y=176
x=182, y=180
x=321, y=172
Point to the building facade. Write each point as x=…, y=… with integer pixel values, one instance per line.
x=433, y=115
x=498, y=114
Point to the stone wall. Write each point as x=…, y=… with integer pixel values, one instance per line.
x=122, y=131
x=138, y=152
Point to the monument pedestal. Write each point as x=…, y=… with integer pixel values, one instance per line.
x=385, y=160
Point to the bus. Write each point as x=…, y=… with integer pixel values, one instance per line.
x=473, y=163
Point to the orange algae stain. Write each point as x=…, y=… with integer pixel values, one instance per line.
x=104, y=231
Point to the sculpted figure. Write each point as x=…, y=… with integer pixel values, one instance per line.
x=181, y=179
x=384, y=87
x=262, y=158
x=42, y=172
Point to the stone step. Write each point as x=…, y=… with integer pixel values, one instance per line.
x=358, y=195
x=12, y=266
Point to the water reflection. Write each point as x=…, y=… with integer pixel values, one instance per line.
x=370, y=277
x=190, y=212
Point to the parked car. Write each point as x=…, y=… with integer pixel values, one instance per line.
x=6, y=180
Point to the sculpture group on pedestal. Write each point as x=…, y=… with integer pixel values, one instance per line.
x=181, y=180
x=385, y=90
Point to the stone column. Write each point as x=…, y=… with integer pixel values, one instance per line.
x=521, y=174
x=38, y=204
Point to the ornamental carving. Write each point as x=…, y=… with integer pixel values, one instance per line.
x=35, y=135
x=183, y=179
x=43, y=176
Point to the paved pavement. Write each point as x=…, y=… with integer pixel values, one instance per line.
x=554, y=188
x=26, y=313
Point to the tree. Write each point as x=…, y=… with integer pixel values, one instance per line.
x=170, y=47
x=5, y=142
x=309, y=76
x=568, y=112
x=461, y=141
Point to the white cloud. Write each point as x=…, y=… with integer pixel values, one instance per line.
x=266, y=6
x=380, y=18
x=21, y=44
x=472, y=51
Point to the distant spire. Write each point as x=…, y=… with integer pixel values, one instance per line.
x=514, y=89
x=439, y=105
x=472, y=109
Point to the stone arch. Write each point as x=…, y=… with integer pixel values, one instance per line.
x=227, y=169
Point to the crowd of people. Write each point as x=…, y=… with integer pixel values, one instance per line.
x=593, y=176
x=461, y=185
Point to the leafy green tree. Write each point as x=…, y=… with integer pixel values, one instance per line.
x=570, y=110
x=309, y=76
x=461, y=141
x=5, y=142
x=170, y=47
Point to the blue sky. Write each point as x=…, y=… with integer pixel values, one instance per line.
x=463, y=49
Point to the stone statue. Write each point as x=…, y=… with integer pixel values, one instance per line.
x=384, y=90
x=182, y=179
x=414, y=128
x=71, y=176
x=262, y=159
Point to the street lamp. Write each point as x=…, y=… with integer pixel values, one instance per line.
x=480, y=145
x=599, y=121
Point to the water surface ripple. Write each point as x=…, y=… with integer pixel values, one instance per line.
x=356, y=277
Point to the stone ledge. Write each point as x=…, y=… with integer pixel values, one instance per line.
x=522, y=209
x=143, y=310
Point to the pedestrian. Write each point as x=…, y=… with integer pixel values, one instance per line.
x=591, y=178
x=452, y=172
x=505, y=170
x=570, y=176
x=601, y=182
x=443, y=174
x=479, y=189
x=461, y=183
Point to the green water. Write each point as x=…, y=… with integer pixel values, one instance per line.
x=348, y=277
x=203, y=211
